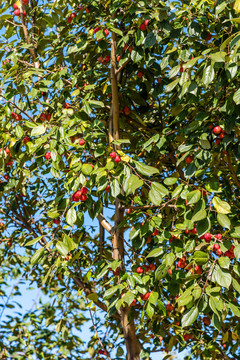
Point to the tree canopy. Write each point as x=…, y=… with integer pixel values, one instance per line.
x=126, y=113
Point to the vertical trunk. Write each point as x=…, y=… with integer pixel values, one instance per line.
x=133, y=345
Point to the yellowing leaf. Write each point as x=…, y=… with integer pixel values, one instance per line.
x=221, y=206
x=236, y=6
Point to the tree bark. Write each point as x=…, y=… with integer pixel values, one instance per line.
x=133, y=345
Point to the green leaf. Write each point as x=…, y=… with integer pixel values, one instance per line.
x=70, y=244
x=71, y=216
x=115, y=188
x=133, y=183
x=62, y=248
x=153, y=298
x=170, y=258
x=110, y=292
x=172, y=85
x=193, y=197
x=160, y=188
x=208, y=75
x=155, y=197
x=19, y=131
x=155, y=252
x=221, y=206
x=86, y=169
x=150, y=310
x=235, y=309
x=170, y=181
x=224, y=262
x=34, y=241
x=203, y=226
x=189, y=317
x=236, y=97
x=237, y=252
x=145, y=169
x=224, y=220
x=136, y=56
x=223, y=278
x=201, y=257
x=39, y=130
x=38, y=254
x=200, y=215
x=150, y=40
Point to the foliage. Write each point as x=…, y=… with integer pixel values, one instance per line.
x=176, y=66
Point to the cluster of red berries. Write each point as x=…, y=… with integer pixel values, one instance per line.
x=44, y=117
x=6, y=62
x=218, y=131
x=143, y=26
x=71, y=17
x=17, y=11
x=17, y=117
x=141, y=269
x=115, y=157
x=145, y=297
x=106, y=31
x=80, y=194
x=104, y=60
x=26, y=139
x=103, y=352
x=188, y=337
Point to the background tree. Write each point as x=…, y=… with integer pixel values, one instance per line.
x=127, y=113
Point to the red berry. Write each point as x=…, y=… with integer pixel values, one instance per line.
x=56, y=221
x=106, y=32
x=152, y=267
x=48, y=155
x=76, y=196
x=216, y=247
x=129, y=211
x=18, y=117
x=126, y=110
x=81, y=142
x=66, y=106
x=130, y=49
x=170, y=307
x=17, y=12
x=13, y=115
x=146, y=22
x=218, y=141
x=143, y=27
x=6, y=177
x=206, y=321
x=189, y=159
x=15, y=6
x=7, y=150
x=117, y=159
x=139, y=270
x=198, y=270
x=133, y=303
x=83, y=197
x=181, y=69
x=194, y=231
x=69, y=20
x=107, y=188
x=219, y=236
x=84, y=190
x=155, y=233
x=209, y=36
x=139, y=74
x=170, y=272
x=107, y=58
x=207, y=237
x=221, y=136
x=73, y=15
x=26, y=139
x=219, y=252
x=149, y=239
x=113, y=155
x=217, y=130
x=145, y=297
x=118, y=58
x=186, y=337
x=42, y=117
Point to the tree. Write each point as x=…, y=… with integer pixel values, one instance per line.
x=127, y=113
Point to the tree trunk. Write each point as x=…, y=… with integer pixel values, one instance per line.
x=133, y=345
